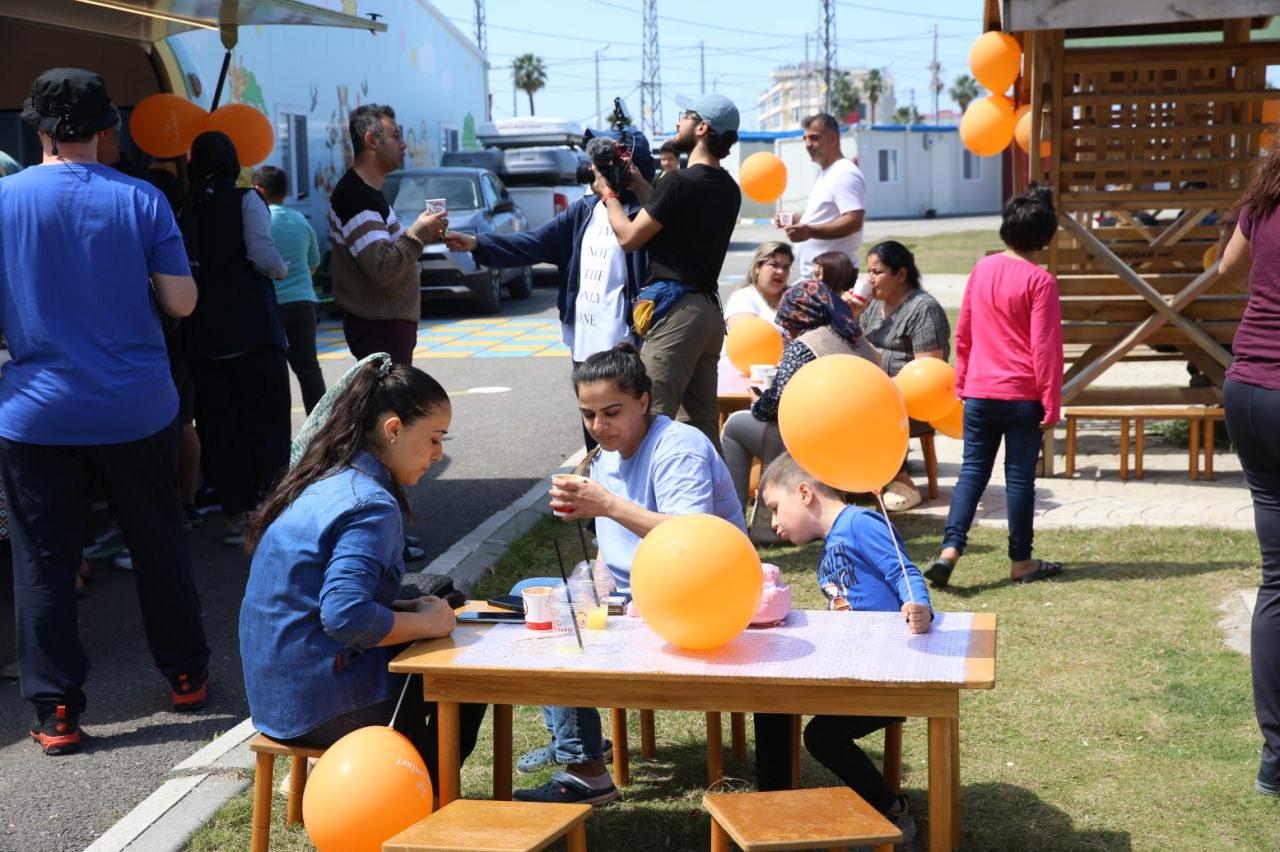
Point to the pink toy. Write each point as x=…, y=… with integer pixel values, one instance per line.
x=775, y=602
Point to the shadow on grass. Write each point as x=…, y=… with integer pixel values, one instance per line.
x=1116, y=571
x=1006, y=817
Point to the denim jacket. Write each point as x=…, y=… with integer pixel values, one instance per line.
x=317, y=602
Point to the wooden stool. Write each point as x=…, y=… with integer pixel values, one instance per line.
x=480, y=824
x=267, y=750
x=648, y=743
x=828, y=817
x=892, y=754
x=930, y=454
x=1200, y=419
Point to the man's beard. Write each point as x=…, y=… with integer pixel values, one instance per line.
x=685, y=142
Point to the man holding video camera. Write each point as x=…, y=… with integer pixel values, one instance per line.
x=686, y=225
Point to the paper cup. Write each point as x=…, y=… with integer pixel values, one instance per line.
x=436, y=205
x=861, y=292
x=786, y=220
x=561, y=478
x=537, y=607
x=762, y=375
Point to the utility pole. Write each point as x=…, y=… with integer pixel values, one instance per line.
x=650, y=73
x=935, y=75
x=482, y=36
x=702, y=67
x=515, y=107
x=828, y=48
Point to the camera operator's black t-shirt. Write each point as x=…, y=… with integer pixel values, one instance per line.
x=698, y=208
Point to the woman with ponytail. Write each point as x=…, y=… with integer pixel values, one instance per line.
x=320, y=620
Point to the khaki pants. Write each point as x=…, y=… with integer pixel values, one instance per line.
x=680, y=355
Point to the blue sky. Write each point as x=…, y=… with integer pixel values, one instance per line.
x=744, y=40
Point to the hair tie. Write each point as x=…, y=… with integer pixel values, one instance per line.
x=384, y=364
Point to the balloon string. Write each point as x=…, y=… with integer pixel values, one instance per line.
x=396, y=712
x=893, y=538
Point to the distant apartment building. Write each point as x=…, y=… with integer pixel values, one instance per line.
x=798, y=90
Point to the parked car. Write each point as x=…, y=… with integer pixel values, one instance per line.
x=478, y=203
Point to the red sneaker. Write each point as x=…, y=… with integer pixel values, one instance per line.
x=190, y=691
x=58, y=732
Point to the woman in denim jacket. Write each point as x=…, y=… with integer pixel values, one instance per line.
x=320, y=620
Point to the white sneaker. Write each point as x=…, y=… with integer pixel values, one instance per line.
x=122, y=561
x=233, y=533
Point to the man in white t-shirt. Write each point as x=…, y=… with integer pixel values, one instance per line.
x=833, y=219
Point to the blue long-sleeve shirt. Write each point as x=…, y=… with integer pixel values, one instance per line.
x=860, y=566
x=559, y=242
x=318, y=602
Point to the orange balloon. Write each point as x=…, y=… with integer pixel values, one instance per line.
x=763, y=177
x=1022, y=128
x=249, y=129
x=986, y=128
x=928, y=388
x=844, y=422
x=367, y=787
x=696, y=581
x=952, y=423
x=995, y=60
x=166, y=125
x=753, y=340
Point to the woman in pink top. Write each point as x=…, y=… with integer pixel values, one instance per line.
x=1009, y=373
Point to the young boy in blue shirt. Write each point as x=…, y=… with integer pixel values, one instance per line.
x=859, y=570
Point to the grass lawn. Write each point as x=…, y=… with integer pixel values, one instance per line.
x=1119, y=720
x=949, y=253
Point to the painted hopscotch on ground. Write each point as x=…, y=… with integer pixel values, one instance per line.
x=464, y=338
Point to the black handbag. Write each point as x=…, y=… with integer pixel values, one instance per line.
x=417, y=584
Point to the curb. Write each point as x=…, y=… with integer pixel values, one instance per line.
x=208, y=779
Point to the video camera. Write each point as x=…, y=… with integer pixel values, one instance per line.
x=610, y=150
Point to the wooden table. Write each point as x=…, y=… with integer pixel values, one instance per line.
x=448, y=683
x=731, y=390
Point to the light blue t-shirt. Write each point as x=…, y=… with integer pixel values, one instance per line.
x=77, y=246
x=675, y=471
x=296, y=242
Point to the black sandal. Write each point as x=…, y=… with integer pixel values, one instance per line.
x=939, y=572
x=1044, y=571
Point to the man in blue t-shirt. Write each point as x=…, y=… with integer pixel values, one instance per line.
x=90, y=258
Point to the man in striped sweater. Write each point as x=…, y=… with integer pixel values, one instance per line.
x=375, y=260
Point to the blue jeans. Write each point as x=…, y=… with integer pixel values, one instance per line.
x=575, y=732
x=986, y=423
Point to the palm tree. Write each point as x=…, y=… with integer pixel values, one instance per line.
x=845, y=99
x=906, y=115
x=529, y=74
x=965, y=91
x=873, y=88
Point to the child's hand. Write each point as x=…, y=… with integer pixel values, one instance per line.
x=918, y=617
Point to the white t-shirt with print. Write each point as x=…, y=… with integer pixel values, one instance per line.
x=599, y=313
x=840, y=189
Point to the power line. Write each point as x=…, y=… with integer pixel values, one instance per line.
x=930, y=15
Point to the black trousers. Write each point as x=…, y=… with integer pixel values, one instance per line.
x=417, y=721
x=299, y=321
x=1253, y=422
x=242, y=415
x=50, y=491
x=830, y=739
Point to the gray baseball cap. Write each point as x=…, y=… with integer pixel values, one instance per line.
x=715, y=109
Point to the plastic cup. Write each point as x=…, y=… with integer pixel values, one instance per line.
x=560, y=479
x=762, y=375
x=562, y=627
x=598, y=617
x=437, y=205
x=537, y=607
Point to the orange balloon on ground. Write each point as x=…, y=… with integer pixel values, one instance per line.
x=951, y=424
x=166, y=125
x=995, y=58
x=367, y=787
x=986, y=128
x=928, y=388
x=249, y=129
x=844, y=422
x=696, y=581
x=763, y=177
x=753, y=340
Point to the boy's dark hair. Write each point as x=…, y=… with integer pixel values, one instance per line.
x=783, y=472
x=837, y=270
x=896, y=256
x=668, y=148
x=720, y=143
x=620, y=365
x=272, y=180
x=405, y=391
x=828, y=122
x=1029, y=221
x=367, y=119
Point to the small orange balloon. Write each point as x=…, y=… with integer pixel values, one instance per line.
x=249, y=129
x=995, y=60
x=366, y=788
x=763, y=177
x=951, y=424
x=843, y=421
x=753, y=340
x=986, y=128
x=696, y=580
x=165, y=125
x=1022, y=128
x=928, y=388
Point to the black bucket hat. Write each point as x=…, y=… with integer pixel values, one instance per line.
x=69, y=102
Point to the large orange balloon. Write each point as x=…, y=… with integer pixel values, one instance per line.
x=995, y=60
x=166, y=125
x=249, y=130
x=753, y=340
x=928, y=388
x=951, y=424
x=986, y=128
x=763, y=177
x=367, y=787
x=844, y=422
x=696, y=581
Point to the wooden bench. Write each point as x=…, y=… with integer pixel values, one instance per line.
x=472, y=825
x=267, y=750
x=823, y=818
x=1200, y=417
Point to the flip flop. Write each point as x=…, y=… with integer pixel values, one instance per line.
x=1043, y=572
x=939, y=572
